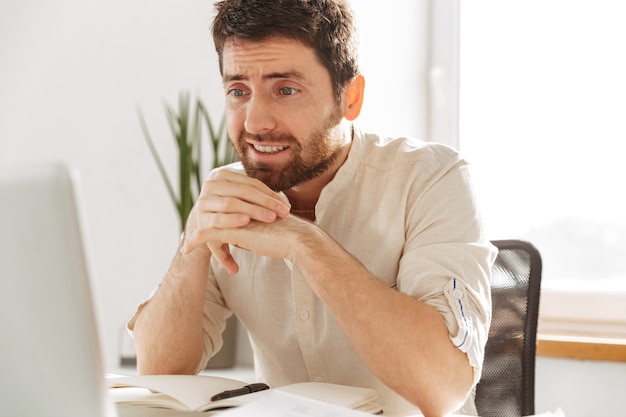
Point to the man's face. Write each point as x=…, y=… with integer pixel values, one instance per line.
x=282, y=116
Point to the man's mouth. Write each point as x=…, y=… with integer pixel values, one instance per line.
x=269, y=149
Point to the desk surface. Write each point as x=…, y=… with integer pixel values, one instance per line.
x=136, y=411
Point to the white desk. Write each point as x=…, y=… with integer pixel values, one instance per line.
x=130, y=411
x=133, y=411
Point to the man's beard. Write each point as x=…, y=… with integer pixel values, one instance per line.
x=322, y=150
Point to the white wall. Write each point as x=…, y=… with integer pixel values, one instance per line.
x=580, y=388
x=71, y=75
x=394, y=61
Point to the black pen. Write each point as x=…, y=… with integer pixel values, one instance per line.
x=240, y=391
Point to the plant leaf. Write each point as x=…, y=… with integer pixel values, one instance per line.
x=157, y=159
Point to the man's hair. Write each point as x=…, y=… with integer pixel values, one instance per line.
x=327, y=26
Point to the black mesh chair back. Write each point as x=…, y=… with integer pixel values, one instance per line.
x=507, y=385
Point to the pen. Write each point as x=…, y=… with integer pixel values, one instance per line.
x=240, y=391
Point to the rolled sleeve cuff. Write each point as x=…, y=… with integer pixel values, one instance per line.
x=467, y=324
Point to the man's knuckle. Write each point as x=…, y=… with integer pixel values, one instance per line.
x=227, y=204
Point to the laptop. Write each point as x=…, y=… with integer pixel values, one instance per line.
x=50, y=358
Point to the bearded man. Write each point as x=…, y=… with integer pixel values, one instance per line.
x=349, y=257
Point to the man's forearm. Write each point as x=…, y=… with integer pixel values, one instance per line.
x=168, y=331
x=404, y=341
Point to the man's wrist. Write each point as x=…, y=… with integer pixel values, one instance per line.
x=308, y=245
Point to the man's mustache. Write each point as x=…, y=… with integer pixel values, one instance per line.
x=267, y=137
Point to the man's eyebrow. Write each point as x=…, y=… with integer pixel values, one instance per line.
x=288, y=75
x=295, y=75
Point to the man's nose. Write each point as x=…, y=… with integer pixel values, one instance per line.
x=259, y=115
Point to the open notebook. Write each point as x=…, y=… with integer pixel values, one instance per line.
x=50, y=354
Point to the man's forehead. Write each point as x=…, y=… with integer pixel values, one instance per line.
x=269, y=56
x=237, y=41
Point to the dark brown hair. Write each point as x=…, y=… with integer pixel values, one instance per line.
x=327, y=26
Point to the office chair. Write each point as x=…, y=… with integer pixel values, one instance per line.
x=507, y=385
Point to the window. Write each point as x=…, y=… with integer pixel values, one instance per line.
x=542, y=108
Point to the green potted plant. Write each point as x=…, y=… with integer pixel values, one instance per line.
x=186, y=127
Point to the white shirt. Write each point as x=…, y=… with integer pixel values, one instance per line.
x=406, y=210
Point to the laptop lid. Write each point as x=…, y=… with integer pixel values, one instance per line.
x=49, y=350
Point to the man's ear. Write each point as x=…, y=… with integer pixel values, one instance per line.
x=354, y=98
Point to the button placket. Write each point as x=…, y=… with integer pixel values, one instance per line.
x=305, y=301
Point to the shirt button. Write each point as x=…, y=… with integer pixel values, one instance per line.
x=457, y=293
x=304, y=314
x=319, y=379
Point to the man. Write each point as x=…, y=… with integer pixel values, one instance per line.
x=350, y=258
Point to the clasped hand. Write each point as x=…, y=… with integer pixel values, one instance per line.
x=233, y=209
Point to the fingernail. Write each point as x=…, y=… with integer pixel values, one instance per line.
x=283, y=210
x=269, y=215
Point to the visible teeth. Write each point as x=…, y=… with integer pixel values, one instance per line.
x=269, y=149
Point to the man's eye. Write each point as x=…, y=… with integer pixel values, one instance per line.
x=288, y=91
x=236, y=92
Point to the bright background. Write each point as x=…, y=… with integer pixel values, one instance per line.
x=542, y=117
x=72, y=75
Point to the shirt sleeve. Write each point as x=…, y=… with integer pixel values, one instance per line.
x=215, y=314
x=447, y=259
